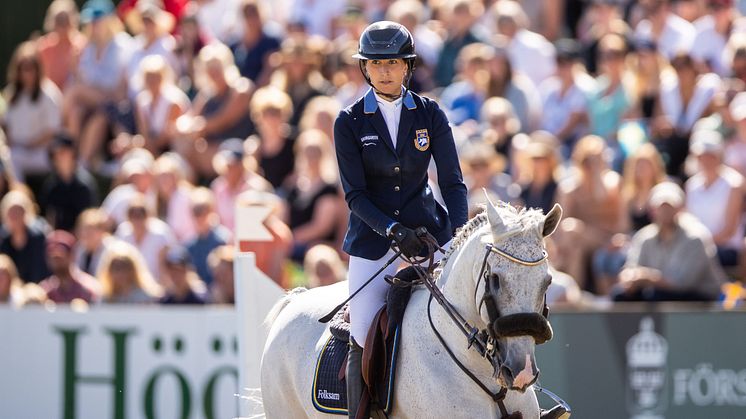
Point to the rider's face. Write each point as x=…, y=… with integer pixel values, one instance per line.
x=387, y=75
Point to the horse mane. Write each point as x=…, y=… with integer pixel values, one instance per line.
x=526, y=218
x=463, y=233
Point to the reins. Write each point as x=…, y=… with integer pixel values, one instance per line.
x=483, y=341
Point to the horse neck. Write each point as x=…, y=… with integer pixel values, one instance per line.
x=458, y=279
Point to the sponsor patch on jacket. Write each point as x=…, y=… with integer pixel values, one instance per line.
x=421, y=140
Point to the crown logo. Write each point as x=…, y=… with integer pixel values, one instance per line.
x=647, y=349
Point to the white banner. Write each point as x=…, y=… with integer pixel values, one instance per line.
x=119, y=362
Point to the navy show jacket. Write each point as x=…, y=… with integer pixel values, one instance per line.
x=384, y=184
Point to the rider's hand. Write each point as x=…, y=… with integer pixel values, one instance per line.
x=407, y=240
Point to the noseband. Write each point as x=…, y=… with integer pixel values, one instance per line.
x=513, y=325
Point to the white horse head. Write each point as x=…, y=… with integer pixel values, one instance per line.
x=523, y=284
x=515, y=277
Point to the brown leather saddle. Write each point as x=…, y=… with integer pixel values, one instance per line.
x=379, y=359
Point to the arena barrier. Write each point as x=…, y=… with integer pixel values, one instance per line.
x=162, y=362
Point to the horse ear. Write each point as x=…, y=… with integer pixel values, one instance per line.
x=551, y=221
x=496, y=221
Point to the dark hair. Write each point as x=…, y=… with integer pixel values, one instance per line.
x=26, y=53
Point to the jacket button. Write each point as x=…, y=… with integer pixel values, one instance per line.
x=396, y=188
x=396, y=212
x=397, y=169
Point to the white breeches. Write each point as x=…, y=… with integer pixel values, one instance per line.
x=365, y=305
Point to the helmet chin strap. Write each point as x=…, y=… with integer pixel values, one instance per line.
x=388, y=97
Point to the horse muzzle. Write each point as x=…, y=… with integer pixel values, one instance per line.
x=523, y=324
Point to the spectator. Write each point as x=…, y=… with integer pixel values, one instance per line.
x=715, y=196
x=601, y=18
x=271, y=109
x=153, y=38
x=33, y=115
x=298, y=73
x=500, y=126
x=173, y=196
x=190, y=38
x=672, y=259
x=484, y=170
x=218, y=111
x=610, y=100
x=210, y=234
x=218, y=18
x=22, y=238
x=354, y=85
x=413, y=14
x=563, y=291
x=60, y=48
x=236, y=174
x=320, y=114
x=669, y=32
x=713, y=31
x=317, y=17
x=125, y=278
x=69, y=189
x=540, y=191
x=686, y=96
x=252, y=51
x=157, y=107
x=646, y=70
x=460, y=16
x=529, y=52
x=147, y=234
x=642, y=171
x=735, y=152
x=67, y=282
x=220, y=260
x=94, y=240
x=464, y=97
x=514, y=87
x=313, y=194
x=183, y=286
x=138, y=176
x=593, y=209
x=323, y=266
x=11, y=285
x=100, y=83
x=735, y=56
x=565, y=97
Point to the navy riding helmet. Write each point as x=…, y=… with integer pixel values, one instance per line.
x=383, y=40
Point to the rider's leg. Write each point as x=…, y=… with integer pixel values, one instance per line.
x=363, y=309
x=365, y=305
x=354, y=377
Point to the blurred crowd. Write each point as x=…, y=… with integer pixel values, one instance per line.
x=131, y=130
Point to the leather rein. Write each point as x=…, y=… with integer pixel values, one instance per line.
x=484, y=341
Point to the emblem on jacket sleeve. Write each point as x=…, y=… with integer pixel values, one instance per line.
x=421, y=140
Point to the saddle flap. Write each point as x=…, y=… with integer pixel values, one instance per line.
x=379, y=366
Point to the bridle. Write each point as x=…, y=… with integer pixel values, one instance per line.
x=484, y=341
x=518, y=324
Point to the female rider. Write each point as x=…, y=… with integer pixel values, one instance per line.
x=384, y=144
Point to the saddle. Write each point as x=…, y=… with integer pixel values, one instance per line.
x=379, y=356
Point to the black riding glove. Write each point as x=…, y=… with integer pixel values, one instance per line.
x=407, y=240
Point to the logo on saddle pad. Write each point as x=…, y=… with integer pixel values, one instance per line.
x=323, y=394
x=421, y=140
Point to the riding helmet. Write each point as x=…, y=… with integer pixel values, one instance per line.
x=385, y=39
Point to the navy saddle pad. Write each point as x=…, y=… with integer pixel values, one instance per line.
x=330, y=392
